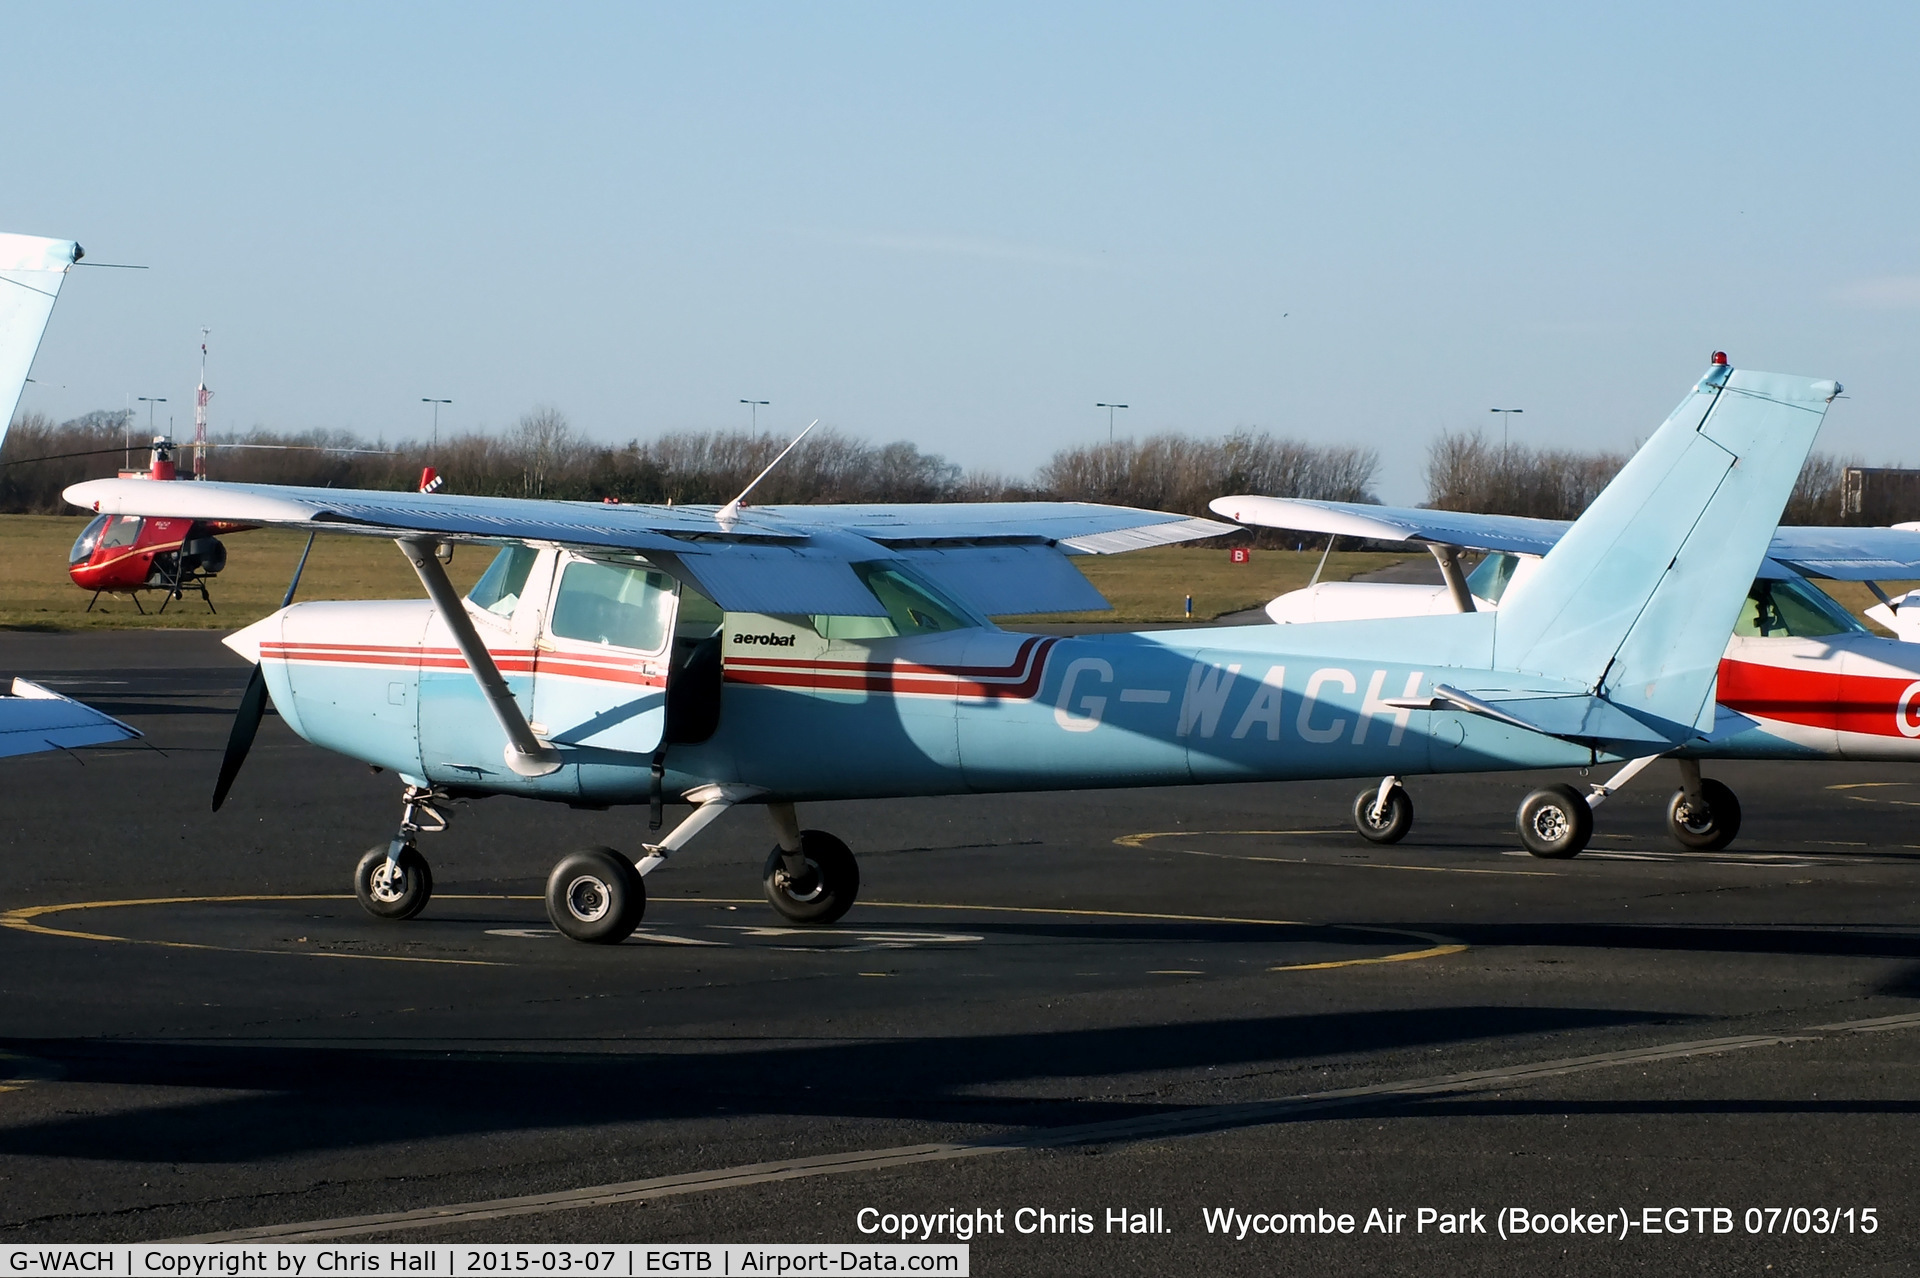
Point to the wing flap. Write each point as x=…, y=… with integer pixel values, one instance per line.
x=775, y=580
x=1008, y=581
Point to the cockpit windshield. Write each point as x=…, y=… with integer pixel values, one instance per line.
x=1799, y=609
x=499, y=587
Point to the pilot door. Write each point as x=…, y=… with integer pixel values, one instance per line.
x=600, y=670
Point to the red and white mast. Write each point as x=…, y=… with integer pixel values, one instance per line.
x=200, y=398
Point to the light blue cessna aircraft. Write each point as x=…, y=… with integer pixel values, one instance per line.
x=780, y=655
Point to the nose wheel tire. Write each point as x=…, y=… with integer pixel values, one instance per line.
x=393, y=889
x=823, y=891
x=1384, y=823
x=596, y=895
x=1555, y=822
x=1708, y=823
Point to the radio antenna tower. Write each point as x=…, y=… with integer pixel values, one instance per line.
x=200, y=398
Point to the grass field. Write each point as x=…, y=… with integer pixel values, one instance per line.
x=1146, y=585
x=36, y=593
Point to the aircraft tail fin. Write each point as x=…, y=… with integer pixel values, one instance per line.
x=1637, y=600
x=31, y=272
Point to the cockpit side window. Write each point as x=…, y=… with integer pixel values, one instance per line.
x=622, y=605
x=499, y=587
x=1798, y=609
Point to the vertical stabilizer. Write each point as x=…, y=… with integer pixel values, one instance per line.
x=1640, y=595
x=31, y=272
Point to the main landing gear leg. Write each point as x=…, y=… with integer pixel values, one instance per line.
x=393, y=881
x=1703, y=814
x=810, y=876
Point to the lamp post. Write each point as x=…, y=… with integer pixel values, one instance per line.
x=753, y=412
x=149, y=401
x=1506, y=415
x=1109, y=408
x=436, y=422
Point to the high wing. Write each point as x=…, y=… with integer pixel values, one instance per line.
x=33, y=718
x=1840, y=554
x=1512, y=533
x=31, y=272
x=1002, y=557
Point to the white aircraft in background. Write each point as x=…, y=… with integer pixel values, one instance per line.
x=32, y=718
x=1809, y=681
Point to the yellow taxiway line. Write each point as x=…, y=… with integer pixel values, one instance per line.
x=23, y=920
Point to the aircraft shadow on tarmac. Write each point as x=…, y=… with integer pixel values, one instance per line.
x=305, y=1099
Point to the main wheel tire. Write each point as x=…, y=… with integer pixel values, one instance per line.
x=827, y=888
x=1388, y=825
x=1708, y=825
x=1555, y=822
x=397, y=889
x=596, y=895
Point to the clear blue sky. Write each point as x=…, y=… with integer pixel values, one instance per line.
x=963, y=225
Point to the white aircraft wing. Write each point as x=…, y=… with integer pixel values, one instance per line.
x=33, y=718
x=1510, y=533
x=1841, y=553
x=31, y=272
x=1002, y=557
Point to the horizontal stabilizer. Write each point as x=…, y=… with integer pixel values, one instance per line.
x=1586, y=719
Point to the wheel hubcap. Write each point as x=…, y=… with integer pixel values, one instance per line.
x=1551, y=824
x=1696, y=820
x=589, y=899
x=804, y=889
x=388, y=884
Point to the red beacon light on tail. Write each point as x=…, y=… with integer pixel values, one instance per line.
x=1720, y=359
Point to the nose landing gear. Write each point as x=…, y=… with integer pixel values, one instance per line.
x=393, y=881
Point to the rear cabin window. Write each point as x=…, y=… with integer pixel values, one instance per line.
x=499, y=587
x=1490, y=580
x=621, y=605
x=1793, y=608
x=913, y=608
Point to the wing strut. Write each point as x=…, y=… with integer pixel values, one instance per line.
x=1448, y=557
x=525, y=754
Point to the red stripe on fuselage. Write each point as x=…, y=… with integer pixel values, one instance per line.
x=1872, y=705
x=901, y=678
x=593, y=666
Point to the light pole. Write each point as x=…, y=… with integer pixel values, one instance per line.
x=753, y=412
x=436, y=422
x=1506, y=415
x=149, y=401
x=1109, y=408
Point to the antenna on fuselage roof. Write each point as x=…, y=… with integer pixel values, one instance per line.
x=731, y=510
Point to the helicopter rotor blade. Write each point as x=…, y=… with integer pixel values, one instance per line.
x=246, y=722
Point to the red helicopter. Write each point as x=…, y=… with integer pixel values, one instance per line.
x=128, y=554
x=125, y=554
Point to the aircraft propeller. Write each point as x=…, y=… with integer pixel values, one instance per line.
x=253, y=704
